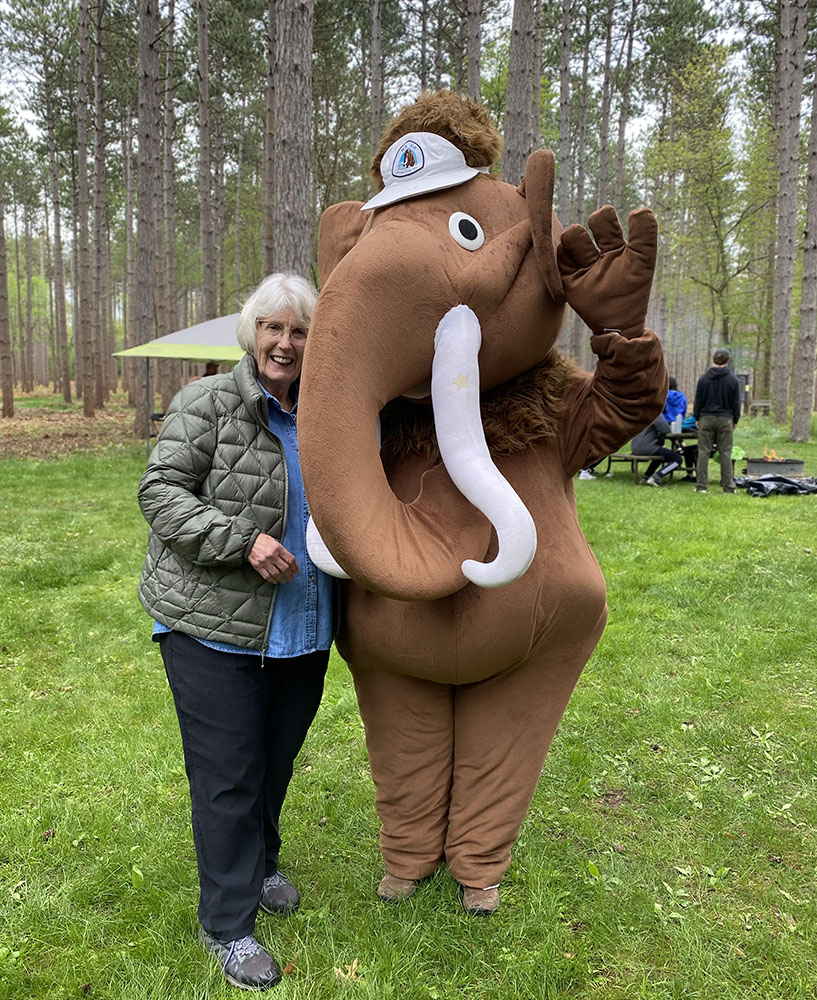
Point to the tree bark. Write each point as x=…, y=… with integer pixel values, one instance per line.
x=579, y=171
x=268, y=185
x=624, y=109
x=239, y=185
x=564, y=113
x=792, y=49
x=6, y=365
x=104, y=370
x=518, y=131
x=144, y=303
x=424, y=5
x=376, y=76
x=293, y=138
x=474, y=29
x=219, y=225
x=28, y=385
x=168, y=172
x=208, y=243
x=129, y=368
x=84, y=318
x=606, y=96
x=804, y=357
x=62, y=370
x=20, y=370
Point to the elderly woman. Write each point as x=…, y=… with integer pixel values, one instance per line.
x=243, y=618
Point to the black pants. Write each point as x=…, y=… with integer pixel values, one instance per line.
x=669, y=461
x=242, y=727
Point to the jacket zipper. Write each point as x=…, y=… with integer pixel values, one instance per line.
x=283, y=529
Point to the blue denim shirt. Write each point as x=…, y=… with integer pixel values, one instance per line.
x=302, y=614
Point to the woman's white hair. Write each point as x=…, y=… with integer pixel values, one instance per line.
x=275, y=293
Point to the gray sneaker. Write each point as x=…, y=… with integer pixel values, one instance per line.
x=244, y=962
x=279, y=895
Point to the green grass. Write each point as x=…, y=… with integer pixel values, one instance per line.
x=669, y=853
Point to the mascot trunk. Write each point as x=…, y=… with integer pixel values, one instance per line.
x=439, y=432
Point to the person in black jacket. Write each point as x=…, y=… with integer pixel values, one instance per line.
x=716, y=411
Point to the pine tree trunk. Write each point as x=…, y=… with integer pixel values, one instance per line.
x=28, y=386
x=62, y=371
x=624, y=109
x=439, y=44
x=268, y=186
x=208, y=242
x=579, y=172
x=804, y=356
x=84, y=319
x=606, y=93
x=424, y=5
x=239, y=184
x=564, y=114
x=293, y=138
x=219, y=191
x=6, y=365
x=147, y=163
x=536, y=81
x=518, y=132
x=792, y=48
x=376, y=75
x=102, y=283
x=129, y=367
x=474, y=30
x=76, y=330
x=168, y=175
x=21, y=369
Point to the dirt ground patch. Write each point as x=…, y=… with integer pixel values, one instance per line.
x=45, y=427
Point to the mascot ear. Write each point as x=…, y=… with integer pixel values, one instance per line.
x=341, y=227
x=537, y=189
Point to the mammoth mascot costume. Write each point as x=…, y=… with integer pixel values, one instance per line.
x=439, y=432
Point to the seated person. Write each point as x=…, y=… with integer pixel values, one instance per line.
x=651, y=442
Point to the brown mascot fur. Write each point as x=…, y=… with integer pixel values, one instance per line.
x=461, y=685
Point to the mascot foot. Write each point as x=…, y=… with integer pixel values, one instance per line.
x=480, y=902
x=393, y=889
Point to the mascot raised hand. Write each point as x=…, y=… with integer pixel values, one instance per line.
x=440, y=430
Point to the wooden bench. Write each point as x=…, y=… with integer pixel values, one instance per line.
x=760, y=406
x=636, y=460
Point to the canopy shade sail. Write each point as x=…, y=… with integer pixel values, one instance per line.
x=213, y=340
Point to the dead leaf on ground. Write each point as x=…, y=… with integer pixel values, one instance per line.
x=351, y=972
x=289, y=968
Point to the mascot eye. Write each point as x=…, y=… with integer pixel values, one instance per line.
x=466, y=231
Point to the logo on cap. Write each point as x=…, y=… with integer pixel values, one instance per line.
x=408, y=159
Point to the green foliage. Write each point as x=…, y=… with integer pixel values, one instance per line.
x=669, y=851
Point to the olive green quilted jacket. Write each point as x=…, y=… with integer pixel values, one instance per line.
x=215, y=480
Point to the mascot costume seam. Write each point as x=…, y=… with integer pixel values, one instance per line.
x=440, y=431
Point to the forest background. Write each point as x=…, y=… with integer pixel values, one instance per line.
x=157, y=159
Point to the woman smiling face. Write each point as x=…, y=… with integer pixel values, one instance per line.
x=279, y=350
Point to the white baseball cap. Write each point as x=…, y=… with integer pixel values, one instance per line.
x=417, y=163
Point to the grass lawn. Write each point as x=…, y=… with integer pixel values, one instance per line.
x=670, y=851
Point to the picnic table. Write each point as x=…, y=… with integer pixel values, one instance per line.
x=676, y=439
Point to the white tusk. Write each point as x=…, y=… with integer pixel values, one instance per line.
x=457, y=419
x=320, y=555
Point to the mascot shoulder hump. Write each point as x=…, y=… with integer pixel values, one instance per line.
x=440, y=431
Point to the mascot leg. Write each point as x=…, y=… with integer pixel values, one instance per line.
x=504, y=727
x=410, y=739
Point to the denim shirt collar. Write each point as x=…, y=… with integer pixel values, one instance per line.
x=295, y=389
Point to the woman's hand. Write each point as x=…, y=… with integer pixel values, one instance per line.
x=269, y=558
